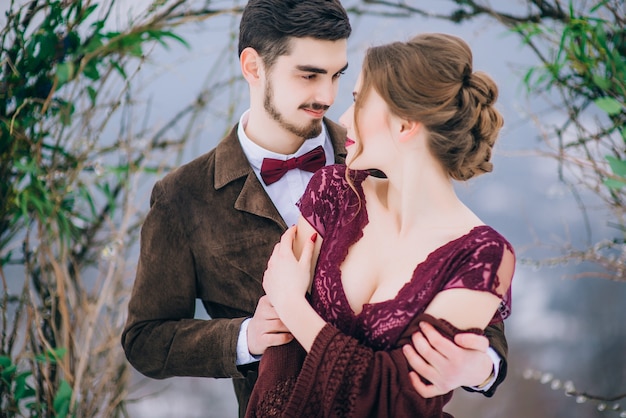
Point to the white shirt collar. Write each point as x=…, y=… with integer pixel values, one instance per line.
x=256, y=153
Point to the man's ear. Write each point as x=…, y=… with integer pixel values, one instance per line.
x=251, y=65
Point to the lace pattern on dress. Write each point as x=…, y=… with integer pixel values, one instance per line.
x=340, y=215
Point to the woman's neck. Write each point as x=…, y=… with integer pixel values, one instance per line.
x=419, y=196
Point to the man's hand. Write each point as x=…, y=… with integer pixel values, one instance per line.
x=444, y=364
x=266, y=329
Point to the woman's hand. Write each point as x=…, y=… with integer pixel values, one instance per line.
x=287, y=279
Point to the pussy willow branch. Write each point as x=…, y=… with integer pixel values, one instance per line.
x=467, y=10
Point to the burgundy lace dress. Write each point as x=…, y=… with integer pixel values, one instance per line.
x=356, y=367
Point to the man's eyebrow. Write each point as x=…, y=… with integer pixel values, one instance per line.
x=316, y=70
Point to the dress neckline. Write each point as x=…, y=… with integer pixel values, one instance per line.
x=363, y=219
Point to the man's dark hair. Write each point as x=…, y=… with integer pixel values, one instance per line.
x=268, y=25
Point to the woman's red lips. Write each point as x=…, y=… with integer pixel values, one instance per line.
x=349, y=142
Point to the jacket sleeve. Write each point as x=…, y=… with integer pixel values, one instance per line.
x=161, y=337
x=497, y=341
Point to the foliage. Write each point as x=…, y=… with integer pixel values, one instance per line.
x=71, y=160
x=23, y=396
x=50, y=73
x=584, y=64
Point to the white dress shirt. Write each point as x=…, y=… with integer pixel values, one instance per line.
x=290, y=188
x=284, y=193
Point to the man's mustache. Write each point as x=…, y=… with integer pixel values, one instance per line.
x=314, y=106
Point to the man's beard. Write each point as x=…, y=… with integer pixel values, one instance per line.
x=311, y=130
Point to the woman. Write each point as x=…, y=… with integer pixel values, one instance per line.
x=389, y=251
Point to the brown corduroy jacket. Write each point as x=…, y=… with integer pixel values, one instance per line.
x=208, y=235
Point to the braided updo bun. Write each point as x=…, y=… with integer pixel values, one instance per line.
x=430, y=79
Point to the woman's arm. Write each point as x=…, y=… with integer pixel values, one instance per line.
x=466, y=308
x=448, y=365
x=304, y=233
x=288, y=278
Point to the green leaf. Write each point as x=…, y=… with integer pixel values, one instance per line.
x=130, y=43
x=98, y=25
x=22, y=389
x=135, y=50
x=597, y=6
x=614, y=184
x=94, y=43
x=64, y=225
x=609, y=105
x=92, y=94
x=23, y=203
x=46, y=45
x=151, y=170
x=601, y=82
x=60, y=352
x=65, y=72
x=66, y=112
x=29, y=392
x=113, y=34
x=623, y=132
x=91, y=70
x=119, y=69
x=38, y=205
x=528, y=78
x=51, y=356
x=5, y=361
x=618, y=166
x=86, y=196
x=600, y=35
x=158, y=35
x=87, y=12
x=8, y=372
x=61, y=402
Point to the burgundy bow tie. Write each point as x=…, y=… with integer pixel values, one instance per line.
x=272, y=170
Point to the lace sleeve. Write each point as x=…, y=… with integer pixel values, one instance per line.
x=322, y=198
x=487, y=265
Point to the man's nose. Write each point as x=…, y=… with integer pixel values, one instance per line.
x=326, y=93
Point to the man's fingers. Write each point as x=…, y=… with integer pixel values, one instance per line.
x=278, y=338
x=427, y=391
x=437, y=342
x=417, y=363
x=265, y=308
x=426, y=350
x=276, y=326
x=472, y=341
x=420, y=368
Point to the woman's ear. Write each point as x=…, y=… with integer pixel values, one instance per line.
x=409, y=129
x=251, y=65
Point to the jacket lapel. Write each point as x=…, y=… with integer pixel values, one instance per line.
x=338, y=138
x=231, y=164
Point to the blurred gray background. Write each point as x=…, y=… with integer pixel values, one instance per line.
x=564, y=328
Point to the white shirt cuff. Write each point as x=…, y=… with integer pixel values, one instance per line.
x=495, y=358
x=243, y=355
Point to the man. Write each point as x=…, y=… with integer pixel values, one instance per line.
x=214, y=221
